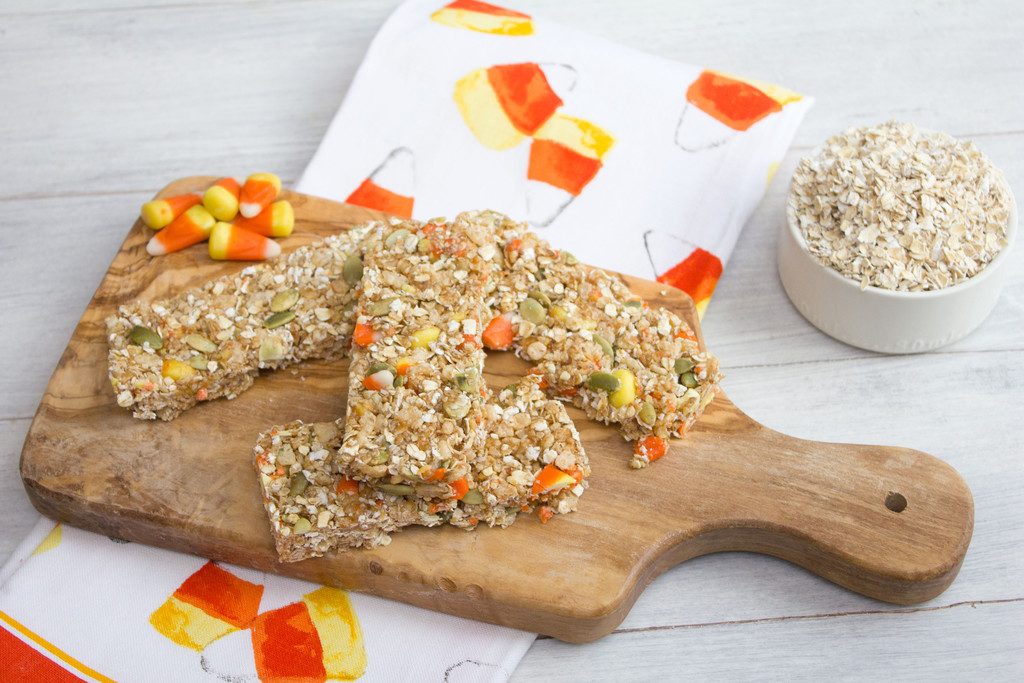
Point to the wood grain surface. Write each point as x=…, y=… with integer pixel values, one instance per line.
x=732, y=484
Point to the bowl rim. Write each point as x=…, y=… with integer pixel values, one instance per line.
x=992, y=266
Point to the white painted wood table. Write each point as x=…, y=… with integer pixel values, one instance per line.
x=103, y=102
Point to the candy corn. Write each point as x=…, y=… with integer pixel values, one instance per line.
x=259, y=190
x=160, y=212
x=277, y=220
x=221, y=199
x=231, y=243
x=191, y=227
x=484, y=17
x=390, y=186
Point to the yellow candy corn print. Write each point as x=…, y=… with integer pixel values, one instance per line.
x=483, y=17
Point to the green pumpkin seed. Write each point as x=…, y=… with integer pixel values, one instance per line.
x=271, y=348
x=473, y=497
x=381, y=307
x=689, y=380
x=377, y=367
x=396, y=238
x=424, y=246
x=400, y=381
x=143, y=335
x=301, y=526
x=278, y=319
x=468, y=381
x=282, y=301
x=396, y=489
x=570, y=259
x=647, y=415
x=533, y=311
x=683, y=364
x=200, y=343
x=297, y=484
x=352, y=271
x=636, y=303
x=540, y=296
x=381, y=457
x=199, y=362
x=605, y=345
x=605, y=381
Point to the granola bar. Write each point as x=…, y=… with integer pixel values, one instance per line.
x=313, y=509
x=212, y=341
x=416, y=392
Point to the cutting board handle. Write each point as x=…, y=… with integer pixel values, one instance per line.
x=891, y=523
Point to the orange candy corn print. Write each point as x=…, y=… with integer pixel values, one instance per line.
x=719, y=106
x=565, y=156
x=483, y=17
x=682, y=264
x=504, y=104
x=389, y=188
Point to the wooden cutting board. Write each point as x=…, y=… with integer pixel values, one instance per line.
x=891, y=523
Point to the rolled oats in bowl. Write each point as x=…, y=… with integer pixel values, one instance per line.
x=899, y=208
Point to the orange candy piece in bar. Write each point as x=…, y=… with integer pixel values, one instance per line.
x=191, y=227
x=259, y=191
x=231, y=243
x=277, y=220
x=221, y=199
x=159, y=213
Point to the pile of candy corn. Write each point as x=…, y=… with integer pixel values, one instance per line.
x=236, y=220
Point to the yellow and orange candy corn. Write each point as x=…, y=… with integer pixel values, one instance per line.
x=232, y=243
x=221, y=199
x=160, y=212
x=191, y=227
x=259, y=191
x=277, y=220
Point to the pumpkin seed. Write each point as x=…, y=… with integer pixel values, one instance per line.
x=604, y=381
x=605, y=345
x=541, y=297
x=396, y=238
x=200, y=343
x=683, y=364
x=352, y=271
x=301, y=526
x=400, y=381
x=377, y=367
x=143, y=335
x=473, y=497
x=636, y=303
x=381, y=307
x=570, y=259
x=396, y=489
x=271, y=348
x=199, y=362
x=647, y=415
x=467, y=381
x=533, y=311
x=381, y=457
x=282, y=301
x=278, y=319
x=689, y=380
x=424, y=245
x=297, y=484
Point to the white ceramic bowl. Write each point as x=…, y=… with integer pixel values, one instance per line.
x=884, y=320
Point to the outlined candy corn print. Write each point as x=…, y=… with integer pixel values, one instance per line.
x=483, y=17
x=390, y=187
x=719, y=106
x=315, y=639
x=210, y=604
x=682, y=264
x=506, y=103
x=565, y=155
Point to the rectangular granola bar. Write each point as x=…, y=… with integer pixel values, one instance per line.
x=212, y=341
x=416, y=392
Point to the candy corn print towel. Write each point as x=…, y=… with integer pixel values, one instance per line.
x=635, y=163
